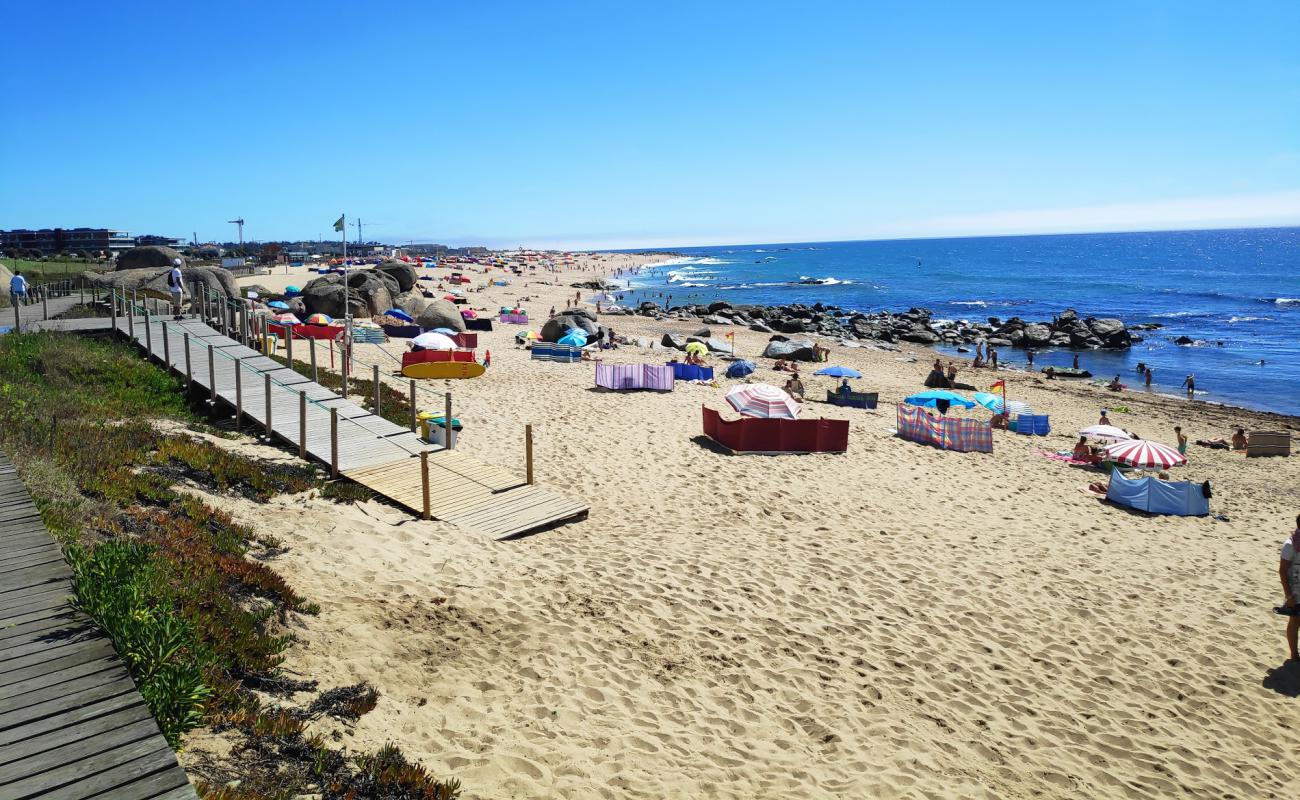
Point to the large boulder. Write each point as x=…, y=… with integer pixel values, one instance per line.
x=154, y=282
x=404, y=274
x=412, y=302
x=791, y=350
x=150, y=257
x=715, y=319
x=440, y=314
x=555, y=327
x=674, y=341
x=375, y=288
x=919, y=335
x=327, y=295
x=760, y=327
x=1038, y=335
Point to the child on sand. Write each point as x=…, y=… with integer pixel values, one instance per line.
x=1182, y=439
x=1289, y=571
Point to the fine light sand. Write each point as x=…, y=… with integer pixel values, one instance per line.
x=894, y=622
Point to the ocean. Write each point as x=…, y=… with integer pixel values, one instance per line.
x=1236, y=293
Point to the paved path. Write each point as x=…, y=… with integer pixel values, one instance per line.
x=72, y=724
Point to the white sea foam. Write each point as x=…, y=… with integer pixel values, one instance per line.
x=1233, y=320
x=807, y=281
x=1287, y=301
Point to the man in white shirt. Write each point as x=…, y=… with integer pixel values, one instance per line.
x=177, y=285
x=18, y=289
x=1290, y=573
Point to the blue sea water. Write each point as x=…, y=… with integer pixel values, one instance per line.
x=1236, y=292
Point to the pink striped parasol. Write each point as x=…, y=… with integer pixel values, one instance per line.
x=1141, y=453
x=762, y=400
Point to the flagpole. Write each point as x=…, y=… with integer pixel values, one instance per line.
x=347, y=312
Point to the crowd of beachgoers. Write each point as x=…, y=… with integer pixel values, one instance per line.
x=893, y=620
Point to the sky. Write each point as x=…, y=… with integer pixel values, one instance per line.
x=634, y=124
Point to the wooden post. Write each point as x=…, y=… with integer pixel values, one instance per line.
x=189, y=376
x=288, y=342
x=446, y=422
x=83, y=293
x=334, y=442
x=18, y=320
x=311, y=345
x=239, y=392
x=414, y=422
x=267, y=383
x=374, y=374
x=148, y=336
x=45, y=303
x=112, y=311
x=212, y=378
x=302, y=423
x=528, y=453
x=167, y=351
x=424, y=484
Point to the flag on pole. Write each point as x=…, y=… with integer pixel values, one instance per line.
x=731, y=336
x=998, y=385
x=338, y=225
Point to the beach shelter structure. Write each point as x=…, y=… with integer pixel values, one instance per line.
x=434, y=341
x=741, y=368
x=993, y=403
x=931, y=399
x=839, y=372
x=397, y=313
x=576, y=337
x=1108, y=432
x=1141, y=453
x=763, y=400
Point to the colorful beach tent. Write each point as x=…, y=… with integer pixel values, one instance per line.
x=931, y=399
x=1180, y=498
x=1141, y=453
x=839, y=372
x=762, y=400
x=434, y=341
x=739, y=369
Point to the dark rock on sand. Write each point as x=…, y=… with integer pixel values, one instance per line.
x=440, y=314
x=791, y=350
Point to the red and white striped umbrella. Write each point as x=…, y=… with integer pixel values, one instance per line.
x=1141, y=453
x=762, y=400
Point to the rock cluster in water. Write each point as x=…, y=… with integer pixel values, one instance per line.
x=915, y=325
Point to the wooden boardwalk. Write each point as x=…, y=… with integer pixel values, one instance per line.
x=72, y=724
x=370, y=450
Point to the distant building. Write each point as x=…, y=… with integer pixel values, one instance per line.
x=161, y=241
x=48, y=241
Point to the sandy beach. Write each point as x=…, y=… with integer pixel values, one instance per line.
x=897, y=621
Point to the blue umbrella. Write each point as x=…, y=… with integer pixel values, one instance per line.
x=445, y=331
x=930, y=399
x=994, y=403
x=575, y=337
x=839, y=372
x=292, y=291
x=397, y=313
x=740, y=369
x=279, y=305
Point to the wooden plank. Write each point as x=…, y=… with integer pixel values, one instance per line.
x=98, y=772
x=67, y=698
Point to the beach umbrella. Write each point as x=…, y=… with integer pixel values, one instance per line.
x=576, y=337
x=278, y=305
x=320, y=319
x=930, y=399
x=434, y=341
x=285, y=319
x=1106, y=432
x=397, y=313
x=993, y=403
x=292, y=291
x=762, y=400
x=697, y=347
x=469, y=313
x=839, y=372
x=1141, y=453
x=445, y=331
x=739, y=369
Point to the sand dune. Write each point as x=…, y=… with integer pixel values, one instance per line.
x=894, y=622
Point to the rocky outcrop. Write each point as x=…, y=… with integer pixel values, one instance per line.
x=150, y=257
x=154, y=282
x=404, y=274
x=440, y=314
x=791, y=350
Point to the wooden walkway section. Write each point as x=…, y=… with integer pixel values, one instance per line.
x=72, y=724
x=372, y=451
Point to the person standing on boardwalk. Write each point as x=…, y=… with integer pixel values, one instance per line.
x=1289, y=571
x=18, y=289
x=177, y=284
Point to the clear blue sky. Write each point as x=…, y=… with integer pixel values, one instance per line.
x=624, y=124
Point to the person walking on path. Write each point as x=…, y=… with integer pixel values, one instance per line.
x=18, y=289
x=1290, y=574
x=177, y=284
